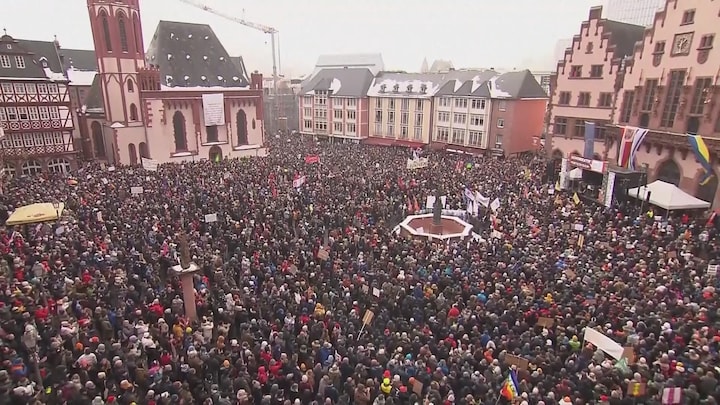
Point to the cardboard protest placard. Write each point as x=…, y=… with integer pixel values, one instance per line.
x=712, y=269
x=519, y=362
x=211, y=218
x=365, y=289
x=545, y=322
x=417, y=388
x=629, y=354
x=136, y=190
x=672, y=254
x=323, y=254
x=636, y=389
x=570, y=274
x=376, y=292
x=368, y=317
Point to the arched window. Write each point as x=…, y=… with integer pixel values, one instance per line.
x=98, y=139
x=137, y=33
x=106, y=31
x=669, y=172
x=212, y=133
x=179, y=131
x=132, y=153
x=10, y=169
x=59, y=166
x=31, y=167
x=131, y=86
x=133, y=113
x=123, y=33
x=242, y=131
x=144, y=153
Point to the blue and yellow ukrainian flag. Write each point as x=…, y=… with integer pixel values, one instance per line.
x=509, y=388
x=697, y=144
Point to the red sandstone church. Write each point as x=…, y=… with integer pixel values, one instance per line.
x=183, y=99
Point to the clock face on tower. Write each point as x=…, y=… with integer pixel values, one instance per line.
x=682, y=44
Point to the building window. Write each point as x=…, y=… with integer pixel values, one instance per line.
x=564, y=98
x=106, y=31
x=477, y=104
x=596, y=71
x=502, y=105
x=5, y=61
x=500, y=123
x=351, y=103
x=123, y=33
x=419, y=105
x=560, y=126
x=378, y=103
x=391, y=117
x=337, y=127
x=605, y=100
x=390, y=130
x=418, y=133
x=54, y=113
x=649, y=96
x=59, y=166
x=33, y=112
x=337, y=102
x=307, y=112
x=672, y=98
x=460, y=118
x=498, y=141
x=179, y=131
x=23, y=114
x=211, y=133
x=404, y=117
x=6, y=88
x=659, y=47
x=404, y=132
x=351, y=114
x=458, y=136
x=44, y=113
x=700, y=97
x=628, y=100
x=460, y=103
x=42, y=88
x=576, y=71
x=133, y=112
x=378, y=116
x=418, y=119
x=583, y=99
x=688, y=17
x=307, y=124
x=307, y=100
x=706, y=41
x=443, y=117
x=351, y=128
x=53, y=88
x=474, y=137
x=130, y=86
x=136, y=33
x=338, y=114
x=19, y=88
x=404, y=104
x=31, y=167
x=378, y=128
x=20, y=62
x=443, y=134
x=579, y=129
x=391, y=104
x=444, y=102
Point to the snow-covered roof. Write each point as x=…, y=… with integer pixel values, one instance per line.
x=414, y=85
x=491, y=84
x=54, y=76
x=340, y=82
x=81, y=77
x=202, y=88
x=495, y=90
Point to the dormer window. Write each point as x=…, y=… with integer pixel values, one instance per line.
x=5, y=61
x=396, y=88
x=382, y=88
x=423, y=88
x=409, y=88
x=20, y=62
x=44, y=62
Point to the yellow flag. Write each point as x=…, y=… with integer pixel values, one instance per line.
x=527, y=174
x=557, y=185
x=576, y=199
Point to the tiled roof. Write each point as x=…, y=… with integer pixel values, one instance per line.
x=342, y=82
x=191, y=55
x=41, y=59
x=78, y=59
x=491, y=84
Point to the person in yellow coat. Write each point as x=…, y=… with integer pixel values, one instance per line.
x=386, y=387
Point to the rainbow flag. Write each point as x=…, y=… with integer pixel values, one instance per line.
x=509, y=388
x=703, y=156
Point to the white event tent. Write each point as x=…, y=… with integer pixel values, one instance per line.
x=668, y=196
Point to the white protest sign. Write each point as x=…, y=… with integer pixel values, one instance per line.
x=150, y=164
x=211, y=218
x=418, y=163
x=579, y=227
x=136, y=190
x=712, y=269
x=495, y=205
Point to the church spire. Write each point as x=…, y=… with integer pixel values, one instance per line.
x=424, y=68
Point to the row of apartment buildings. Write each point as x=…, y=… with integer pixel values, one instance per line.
x=476, y=111
x=664, y=77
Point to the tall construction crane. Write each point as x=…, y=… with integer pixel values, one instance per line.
x=264, y=28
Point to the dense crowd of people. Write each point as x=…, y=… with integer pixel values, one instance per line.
x=91, y=311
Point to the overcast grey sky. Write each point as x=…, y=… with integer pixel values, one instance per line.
x=470, y=33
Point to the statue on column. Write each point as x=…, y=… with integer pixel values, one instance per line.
x=437, y=208
x=184, y=251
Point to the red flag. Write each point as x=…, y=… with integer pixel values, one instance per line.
x=401, y=183
x=274, y=192
x=409, y=205
x=310, y=159
x=417, y=206
x=459, y=166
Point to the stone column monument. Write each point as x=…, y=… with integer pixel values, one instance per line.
x=186, y=269
x=437, y=227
